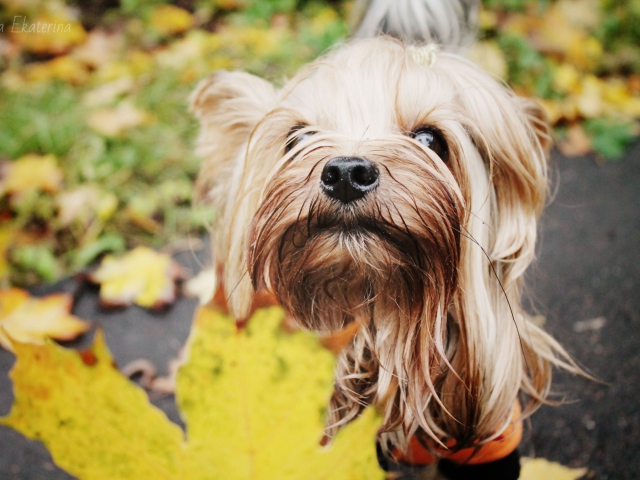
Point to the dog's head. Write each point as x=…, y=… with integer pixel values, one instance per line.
x=399, y=189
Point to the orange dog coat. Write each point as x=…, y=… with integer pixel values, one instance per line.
x=420, y=454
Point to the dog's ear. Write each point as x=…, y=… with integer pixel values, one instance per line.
x=514, y=140
x=538, y=121
x=507, y=187
x=228, y=105
x=520, y=182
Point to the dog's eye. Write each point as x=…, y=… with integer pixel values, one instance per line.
x=433, y=139
x=294, y=139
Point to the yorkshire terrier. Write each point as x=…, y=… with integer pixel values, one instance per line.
x=393, y=188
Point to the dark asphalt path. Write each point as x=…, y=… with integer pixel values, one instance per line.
x=588, y=267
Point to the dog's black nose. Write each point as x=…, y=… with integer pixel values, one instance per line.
x=348, y=178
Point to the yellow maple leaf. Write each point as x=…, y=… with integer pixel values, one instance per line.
x=25, y=319
x=95, y=422
x=253, y=401
x=541, y=469
x=271, y=390
x=142, y=275
x=32, y=172
x=169, y=19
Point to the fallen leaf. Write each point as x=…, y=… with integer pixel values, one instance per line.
x=566, y=78
x=576, y=143
x=31, y=172
x=6, y=236
x=134, y=64
x=105, y=94
x=253, y=401
x=26, y=319
x=112, y=122
x=488, y=19
x=552, y=109
x=142, y=275
x=47, y=33
x=65, y=68
x=591, y=325
x=202, y=286
x=585, y=14
x=555, y=33
x=185, y=51
x=489, y=56
x=169, y=19
x=271, y=390
x=589, y=100
x=85, y=204
x=541, y=469
x=585, y=53
x=99, y=48
x=95, y=422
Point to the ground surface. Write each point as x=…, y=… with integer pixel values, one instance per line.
x=587, y=268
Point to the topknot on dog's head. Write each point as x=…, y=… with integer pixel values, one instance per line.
x=452, y=24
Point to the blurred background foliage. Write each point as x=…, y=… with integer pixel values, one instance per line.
x=95, y=137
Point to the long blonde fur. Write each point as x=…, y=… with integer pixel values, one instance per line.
x=430, y=264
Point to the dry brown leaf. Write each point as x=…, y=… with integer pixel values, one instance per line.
x=31, y=320
x=99, y=49
x=576, y=143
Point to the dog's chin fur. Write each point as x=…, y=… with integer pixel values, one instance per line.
x=429, y=264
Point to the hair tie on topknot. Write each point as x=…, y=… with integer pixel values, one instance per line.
x=425, y=55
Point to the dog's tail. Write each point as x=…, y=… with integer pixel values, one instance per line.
x=452, y=24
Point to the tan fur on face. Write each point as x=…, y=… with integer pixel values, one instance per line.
x=429, y=264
